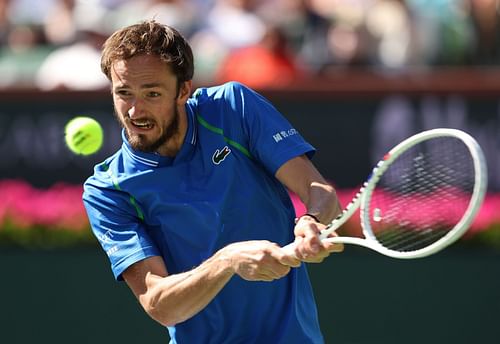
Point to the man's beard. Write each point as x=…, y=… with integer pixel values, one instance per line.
x=140, y=142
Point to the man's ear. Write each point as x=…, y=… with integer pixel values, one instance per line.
x=184, y=91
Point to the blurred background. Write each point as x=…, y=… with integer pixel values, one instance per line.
x=261, y=42
x=355, y=77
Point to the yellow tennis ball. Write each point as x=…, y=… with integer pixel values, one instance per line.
x=83, y=135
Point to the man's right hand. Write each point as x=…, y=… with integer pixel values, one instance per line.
x=259, y=260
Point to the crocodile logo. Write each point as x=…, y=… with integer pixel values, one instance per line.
x=220, y=155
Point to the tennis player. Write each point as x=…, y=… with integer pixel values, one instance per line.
x=193, y=208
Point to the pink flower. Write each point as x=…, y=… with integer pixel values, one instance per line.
x=58, y=207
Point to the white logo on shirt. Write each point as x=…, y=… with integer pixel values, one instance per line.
x=284, y=134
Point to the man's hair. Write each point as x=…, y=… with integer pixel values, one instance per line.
x=149, y=38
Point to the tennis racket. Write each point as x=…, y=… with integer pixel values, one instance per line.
x=421, y=197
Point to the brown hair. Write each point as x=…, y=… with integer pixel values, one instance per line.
x=151, y=38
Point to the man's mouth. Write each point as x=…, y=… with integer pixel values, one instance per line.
x=142, y=124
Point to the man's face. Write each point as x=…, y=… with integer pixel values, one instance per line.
x=146, y=103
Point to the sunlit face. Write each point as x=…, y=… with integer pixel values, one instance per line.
x=147, y=104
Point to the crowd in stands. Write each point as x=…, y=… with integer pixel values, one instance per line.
x=55, y=44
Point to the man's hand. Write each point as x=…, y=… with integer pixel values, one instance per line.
x=259, y=260
x=308, y=246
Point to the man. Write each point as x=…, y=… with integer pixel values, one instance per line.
x=192, y=210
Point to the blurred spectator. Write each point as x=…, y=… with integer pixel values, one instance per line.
x=484, y=15
x=227, y=26
x=267, y=63
x=304, y=29
x=235, y=23
x=388, y=23
x=443, y=31
x=59, y=24
x=21, y=54
x=210, y=51
x=75, y=65
x=349, y=41
x=30, y=12
x=4, y=21
x=181, y=14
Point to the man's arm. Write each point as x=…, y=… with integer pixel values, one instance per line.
x=170, y=299
x=301, y=177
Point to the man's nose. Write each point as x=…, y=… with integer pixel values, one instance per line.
x=136, y=108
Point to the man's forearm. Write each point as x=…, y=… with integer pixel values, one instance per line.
x=322, y=202
x=176, y=298
x=170, y=299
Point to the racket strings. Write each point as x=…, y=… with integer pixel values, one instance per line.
x=410, y=240
x=422, y=195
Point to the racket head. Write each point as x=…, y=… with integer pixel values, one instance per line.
x=424, y=194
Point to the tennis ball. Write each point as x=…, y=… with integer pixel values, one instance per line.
x=83, y=135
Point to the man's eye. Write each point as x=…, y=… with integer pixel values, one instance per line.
x=154, y=94
x=122, y=93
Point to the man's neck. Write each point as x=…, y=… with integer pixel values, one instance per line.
x=174, y=145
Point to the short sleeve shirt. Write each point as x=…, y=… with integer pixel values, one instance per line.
x=220, y=188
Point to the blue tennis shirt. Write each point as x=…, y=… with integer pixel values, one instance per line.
x=219, y=189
